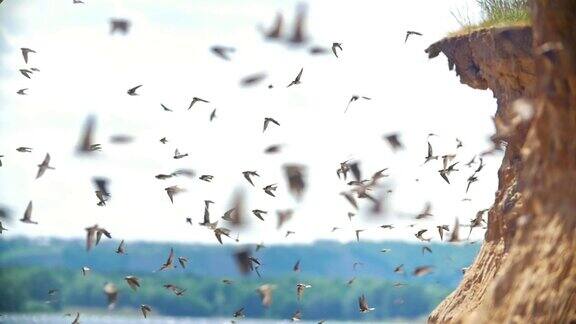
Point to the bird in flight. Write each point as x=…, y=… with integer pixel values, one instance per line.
x=133, y=282
x=363, y=304
x=270, y=189
x=26, y=73
x=165, y=108
x=297, y=80
x=169, y=261
x=173, y=191
x=411, y=33
x=145, y=310
x=430, y=155
x=354, y=98
x=394, y=141
x=213, y=114
x=25, y=53
x=248, y=174
x=121, y=248
x=195, y=100
x=336, y=46
x=269, y=120
x=22, y=92
x=258, y=213
x=119, y=25
x=132, y=91
x=45, y=165
x=178, y=155
x=27, y=218
x=222, y=51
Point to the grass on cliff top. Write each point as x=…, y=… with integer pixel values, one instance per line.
x=495, y=13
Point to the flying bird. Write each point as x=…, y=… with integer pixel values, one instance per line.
x=252, y=79
x=85, y=271
x=145, y=310
x=455, y=236
x=350, y=199
x=394, y=141
x=259, y=213
x=222, y=51
x=206, y=177
x=172, y=191
x=275, y=31
x=248, y=174
x=165, y=108
x=270, y=189
x=410, y=33
x=178, y=155
x=213, y=114
x=133, y=282
x=441, y=230
x=27, y=218
x=426, y=249
x=355, y=98
x=299, y=37
x=121, y=248
x=119, y=25
x=94, y=235
x=45, y=165
x=336, y=46
x=430, y=155
x=25, y=53
x=296, y=179
x=358, y=234
x=86, y=144
x=422, y=271
x=297, y=80
x=363, y=304
x=183, y=262
x=22, y=92
x=195, y=100
x=132, y=91
x=24, y=149
x=420, y=237
x=426, y=212
x=296, y=267
x=26, y=73
x=267, y=121
x=2, y=228
x=239, y=313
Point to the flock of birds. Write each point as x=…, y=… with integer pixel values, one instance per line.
x=349, y=171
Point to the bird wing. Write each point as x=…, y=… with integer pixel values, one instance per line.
x=28, y=212
x=429, y=150
x=299, y=75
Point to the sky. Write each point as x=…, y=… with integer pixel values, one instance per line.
x=86, y=71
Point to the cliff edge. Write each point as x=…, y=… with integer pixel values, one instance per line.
x=526, y=269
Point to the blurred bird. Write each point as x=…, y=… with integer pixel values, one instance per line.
x=297, y=80
x=213, y=114
x=165, y=108
x=169, y=261
x=218, y=232
x=355, y=98
x=473, y=178
x=477, y=221
x=239, y=313
x=300, y=287
x=358, y=234
x=267, y=121
x=76, y=319
x=183, y=262
x=399, y=269
x=24, y=149
x=350, y=281
x=288, y=233
x=27, y=218
x=259, y=213
x=363, y=304
x=455, y=236
x=296, y=267
x=45, y=165
x=426, y=212
x=85, y=271
x=178, y=155
x=133, y=282
x=296, y=316
x=336, y=46
x=350, y=199
x=420, y=237
x=173, y=191
x=111, y=292
x=265, y=292
x=430, y=155
x=163, y=140
x=132, y=91
x=283, y=217
x=426, y=249
x=295, y=174
x=270, y=189
x=343, y=170
x=206, y=177
x=273, y=149
x=145, y=310
x=275, y=31
x=94, y=234
x=22, y=92
x=298, y=36
x=394, y=141
x=222, y=51
x=195, y=100
x=422, y=271
x=26, y=72
x=459, y=143
x=121, y=248
x=410, y=33
x=25, y=53
x=441, y=229
x=2, y=228
x=248, y=174
x=119, y=25
x=252, y=79
x=87, y=138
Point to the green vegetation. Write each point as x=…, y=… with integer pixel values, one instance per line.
x=29, y=268
x=496, y=13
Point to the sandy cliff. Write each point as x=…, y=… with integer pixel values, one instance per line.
x=526, y=270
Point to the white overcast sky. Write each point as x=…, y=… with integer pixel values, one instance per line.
x=84, y=70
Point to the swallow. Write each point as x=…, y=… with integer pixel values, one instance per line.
x=430, y=155
x=218, y=232
x=213, y=115
x=259, y=213
x=267, y=121
x=133, y=282
x=422, y=271
x=288, y=233
x=145, y=310
x=178, y=155
x=350, y=199
x=120, y=25
x=296, y=267
x=27, y=218
x=355, y=98
x=248, y=174
x=94, y=235
x=270, y=189
x=481, y=166
x=385, y=250
x=24, y=149
x=410, y=33
x=165, y=108
x=441, y=229
x=45, y=165
x=426, y=212
x=363, y=304
x=379, y=174
x=2, y=228
x=26, y=72
x=239, y=313
x=172, y=191
x=76, y=319
x=336, y=46
x=426, y=249
x=343, y=170
x=387, y=226
x=394, y=141
x=222, y=51
x=399, y=269
x=206, y=177
x=132, y=91
x=420, y=237
x=296, y=316
x=85, y=271
x=358, y=234
x=163, y=140
x=459, y=143
x=22, y=92
x=102, y=197
x=195, y=100
x=473, y=178
x=350, y=281
x=25, y=53
x=183, y=262
x=297, y=80
x=477, y=221
x=472, y=161
x=206, y=220
x=121, y=248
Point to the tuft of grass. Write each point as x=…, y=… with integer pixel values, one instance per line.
x=495, y=13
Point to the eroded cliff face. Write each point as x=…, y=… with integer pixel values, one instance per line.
x=526, y=269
